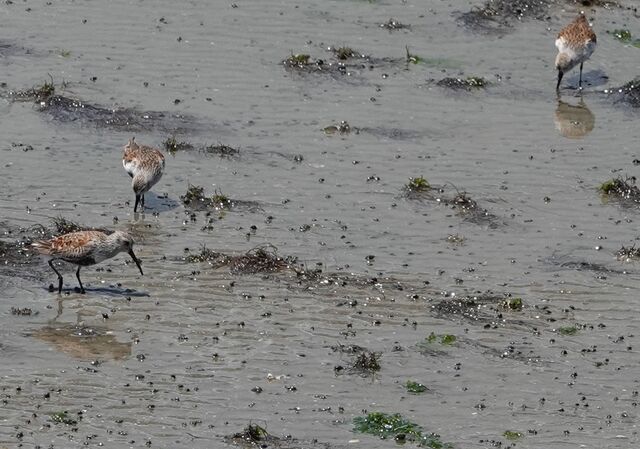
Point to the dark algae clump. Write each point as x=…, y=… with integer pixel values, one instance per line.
x=366, y=363
x=195, y=199
x=628, y=254
x=262, y=259
x=37, y=93
x=63, y=418
x=395, y=426
x=628, y=94
x=172, y=145
x=623, y=190
x=253, y=436
x=468, y=84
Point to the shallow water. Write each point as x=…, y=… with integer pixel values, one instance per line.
x=171, y=358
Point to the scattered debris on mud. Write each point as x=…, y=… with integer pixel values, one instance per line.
x=341, y=128
x=628, y=254
x=623, y=190
x=419, y=189
x=64, y=418
x=500, y=16
x=344, y=61
x=468, y=84
x=262, y=259
x=37, y=93
x=393, y=24
x=195, y=199
x=365, y=364
x=173, y=146
x=486, y=308
x=69, y=110
x=255, y=436
x=396, y=427
x=628, y=94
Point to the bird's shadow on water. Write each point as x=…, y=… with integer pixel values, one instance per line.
x=591, y=78
x=158, y=203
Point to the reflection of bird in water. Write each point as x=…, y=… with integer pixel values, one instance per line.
x=572, y=121
x=83, y=342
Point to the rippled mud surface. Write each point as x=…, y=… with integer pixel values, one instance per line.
x=369, y=208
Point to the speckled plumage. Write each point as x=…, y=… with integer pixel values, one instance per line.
x=145, y=165
x=576, y=43
x=85, y=248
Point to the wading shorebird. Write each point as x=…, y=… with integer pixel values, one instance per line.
x=85, y=248
x=575, y=44
x=145, y=165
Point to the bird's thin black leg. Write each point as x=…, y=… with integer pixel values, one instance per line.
x=142, y=201
x=59, y=275
x=560, y=74
x=135, y=208
x=79, y=281
x=580, y=83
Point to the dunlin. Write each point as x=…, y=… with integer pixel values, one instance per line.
x=145, y=165
x=575, y=43
x=86, y=248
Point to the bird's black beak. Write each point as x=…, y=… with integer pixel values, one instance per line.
x=560, y=74
x=136, y=260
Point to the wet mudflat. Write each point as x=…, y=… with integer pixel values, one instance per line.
x=377, y=220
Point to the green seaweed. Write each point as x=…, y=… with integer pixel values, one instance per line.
x=512, y=304
x=622, y=189
x=344, y=53
x=220, y=200
x=444, y=339
x=411, y=58
x=63, y=418
x=512, y=435
x=419, y=184
x=624, y=36
x=37, y=93
x=568, y=330
x=415, y=387
x=385, y=426
x=172, y=145
x=297, y=60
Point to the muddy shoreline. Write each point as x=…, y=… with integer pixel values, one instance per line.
x=378, y=225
